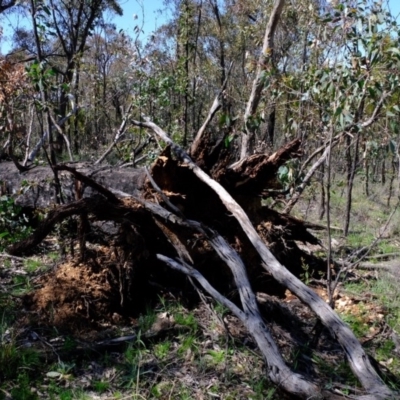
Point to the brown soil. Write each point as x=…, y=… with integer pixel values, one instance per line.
x=80, y=295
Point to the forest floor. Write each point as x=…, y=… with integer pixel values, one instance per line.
x=63, y=335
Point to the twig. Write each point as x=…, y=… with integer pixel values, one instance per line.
x=120, y=132
x=214, y=108
x=5, y=255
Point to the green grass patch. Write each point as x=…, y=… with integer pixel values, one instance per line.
x=14, y=359
x=32, y=266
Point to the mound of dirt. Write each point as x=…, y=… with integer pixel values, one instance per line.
x=79, y=295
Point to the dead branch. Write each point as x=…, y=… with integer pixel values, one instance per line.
x=251, y=318
x=194, y=148
x=327, y=149
x=89, y=182
x=300, y=189
x=118, y=135
x=262, y=69
x=89, y=205
x=32, y=155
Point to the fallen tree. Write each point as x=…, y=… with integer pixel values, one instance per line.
x=183, y=217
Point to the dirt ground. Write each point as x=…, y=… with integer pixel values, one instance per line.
x=77, y=296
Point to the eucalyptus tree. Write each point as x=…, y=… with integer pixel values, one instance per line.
x=348, y=86
x=105, y=82
x=60, y=34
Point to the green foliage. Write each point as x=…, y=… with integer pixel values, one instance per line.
x=147, y=319
x=162, y=350
x=288, y=174
x=217, y=356
x=13, y=222
x=100, y=386
x=15, y=359
x=23, y=391
x=357, y=324
x=262, y=390
x=188, y=320
x=32, y=266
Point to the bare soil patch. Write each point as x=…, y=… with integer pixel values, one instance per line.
x=79, y=295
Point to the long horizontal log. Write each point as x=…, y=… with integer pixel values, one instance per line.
x=35, y=188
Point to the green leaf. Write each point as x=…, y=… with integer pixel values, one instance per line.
x=54, y=374
x=46, y=10
x=228, y=140
x=338, y=111
x=394, y=50
x=283, y=173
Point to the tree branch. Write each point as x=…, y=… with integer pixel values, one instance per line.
x=258, y=84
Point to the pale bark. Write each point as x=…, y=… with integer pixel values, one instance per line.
x=258, y=84
x=32, y=155
x=278, y=371
x=213, y=110
x=118, y=135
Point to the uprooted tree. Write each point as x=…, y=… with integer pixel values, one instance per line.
x=187, y=218
x=200, y=213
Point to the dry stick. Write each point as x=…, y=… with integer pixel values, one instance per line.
x=335, y=141
x=5, y=255
x=32, y=155
x=328, y=223
x=118, y=135
x=358, y=360
x=28, y=137
x=367, y=250
x=64, y=136
x=89, y=182
x=259, y=81
x=213, y=110
x=347, y=264
x=302, y=186
x=385, y=255
x=172, y=206
x=278, y=370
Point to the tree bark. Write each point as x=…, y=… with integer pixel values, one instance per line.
x=264, y=62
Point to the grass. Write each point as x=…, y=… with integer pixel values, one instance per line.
x=32, y=266
x=378, y=307
x=162, y=350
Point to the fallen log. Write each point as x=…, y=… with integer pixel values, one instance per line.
x=36, y=188
x=184, y=232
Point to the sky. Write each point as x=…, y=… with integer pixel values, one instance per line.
x=146, y=10
x=145, y=14
x=147, y=17
x=394, y=6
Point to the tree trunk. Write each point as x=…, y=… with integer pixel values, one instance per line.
x=350, y=183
